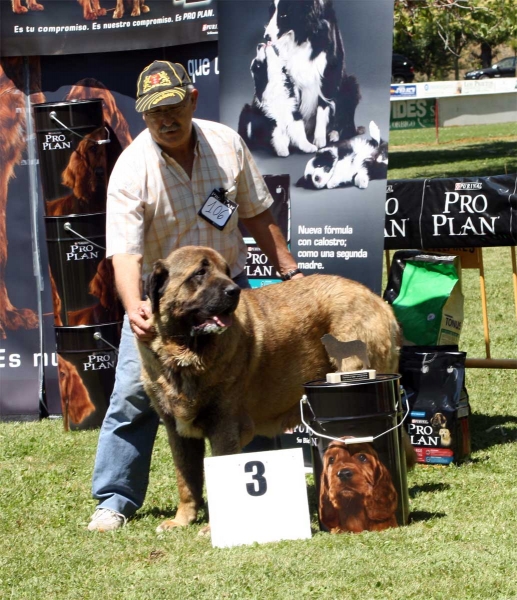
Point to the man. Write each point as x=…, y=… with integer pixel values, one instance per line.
x=155, y=195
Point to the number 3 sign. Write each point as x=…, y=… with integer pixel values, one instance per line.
x=257, y=497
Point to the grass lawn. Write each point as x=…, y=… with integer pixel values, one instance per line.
x=459, y=545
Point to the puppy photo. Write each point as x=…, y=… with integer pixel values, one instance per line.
x=310, y=45
x=438, y=421
x=274, y=119
x=227, y=364
x=137, y=7
x=445, y=437
x=354, y=162
x=19, y=8
x=92, y=9
x=356, y=490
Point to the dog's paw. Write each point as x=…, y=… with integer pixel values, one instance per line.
x=168, y=525
x=308, y=148
x=282, y=151
x=361, y=181
x=320, y=141
x=334, y=137
x=204, y=531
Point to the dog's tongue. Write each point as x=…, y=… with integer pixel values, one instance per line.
x=221, y=320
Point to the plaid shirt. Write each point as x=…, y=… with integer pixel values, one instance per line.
x=153, y=206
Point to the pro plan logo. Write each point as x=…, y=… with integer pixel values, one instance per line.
x=471, y=185
x=98, y=362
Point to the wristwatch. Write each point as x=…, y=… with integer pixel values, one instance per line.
x=289, y=274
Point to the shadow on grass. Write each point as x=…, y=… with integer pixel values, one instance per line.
x=427, y=488
x=422, y=515
x=449, y=157
x=491, y=430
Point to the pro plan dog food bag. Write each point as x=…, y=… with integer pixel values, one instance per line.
x=424, y=289
x=434, y=381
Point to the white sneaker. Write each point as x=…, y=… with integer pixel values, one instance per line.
x=105, y=519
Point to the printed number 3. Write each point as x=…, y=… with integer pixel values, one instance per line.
x=259, y=485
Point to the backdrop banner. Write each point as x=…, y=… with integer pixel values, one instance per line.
x=457, y=212
x=307, y=90
x=54, y=79
x=82, y=26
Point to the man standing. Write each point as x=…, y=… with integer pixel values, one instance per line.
x=155, y=195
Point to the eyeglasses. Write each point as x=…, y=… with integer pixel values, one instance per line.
x=168, y=111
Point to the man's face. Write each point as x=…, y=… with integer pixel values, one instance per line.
x=171, y=126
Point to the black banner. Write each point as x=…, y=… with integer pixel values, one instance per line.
x=451, y=213
x=30, y=27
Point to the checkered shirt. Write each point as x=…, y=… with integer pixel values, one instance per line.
x=153, y=206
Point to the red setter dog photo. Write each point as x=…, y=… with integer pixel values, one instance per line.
x=356, y=490
x=12, y=148
x=75, y=399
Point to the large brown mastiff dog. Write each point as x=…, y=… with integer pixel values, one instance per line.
x=228, y=364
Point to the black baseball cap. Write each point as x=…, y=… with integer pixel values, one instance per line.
x=161, y=83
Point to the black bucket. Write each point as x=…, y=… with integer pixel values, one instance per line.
x=87, y=358
x=71, y=138
x=360, y=485
x=82, y=279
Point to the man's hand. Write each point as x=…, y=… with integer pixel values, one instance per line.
x=140, y=321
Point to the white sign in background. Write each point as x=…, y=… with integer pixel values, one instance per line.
x=257, y=497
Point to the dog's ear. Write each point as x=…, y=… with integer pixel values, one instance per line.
x=156, y=284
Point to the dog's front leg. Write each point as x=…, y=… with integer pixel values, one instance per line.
x=188, y=454
x=322, y=122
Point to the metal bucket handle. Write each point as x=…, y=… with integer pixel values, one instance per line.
x=53, y=116
x=68, y=227
x=98, y=336
x=352, y=440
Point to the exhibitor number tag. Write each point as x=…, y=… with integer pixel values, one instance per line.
x=217, y=209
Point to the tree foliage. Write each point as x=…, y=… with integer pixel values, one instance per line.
x=434, y=33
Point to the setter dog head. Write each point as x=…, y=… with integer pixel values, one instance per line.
x=89, y=88
x=103, y=284
x=86, y=171
x=75, y=399
x=356, y=490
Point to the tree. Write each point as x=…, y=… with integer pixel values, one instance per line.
x=434, y=33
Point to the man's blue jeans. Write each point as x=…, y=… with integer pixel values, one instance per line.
x=128, y=432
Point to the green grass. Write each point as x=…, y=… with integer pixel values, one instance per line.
x=460, y=544
x=479, y=150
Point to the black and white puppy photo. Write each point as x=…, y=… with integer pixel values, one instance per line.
x=273, y=119
x=353, y=162
x=310, y=45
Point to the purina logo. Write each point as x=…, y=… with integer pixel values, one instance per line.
x=389, y=189
x=469, y=186
x=207, y=27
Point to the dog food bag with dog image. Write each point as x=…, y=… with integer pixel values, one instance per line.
x=438, y=424
x=424, y=290
x=359, y=461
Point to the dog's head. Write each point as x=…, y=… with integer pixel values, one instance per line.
x=355, y=484
x=296, y=21
x=438, y=421
x=320, y=168
x=192, y=293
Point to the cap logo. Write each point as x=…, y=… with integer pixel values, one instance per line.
x=161, y=78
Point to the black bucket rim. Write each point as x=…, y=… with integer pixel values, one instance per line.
x=57, y=217
x=84, y=327
x=68, y=102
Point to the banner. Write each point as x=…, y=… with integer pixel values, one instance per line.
x=458, y=212
x=31, y=27
x=412, y=114
x=307, y=90
x=53, y=79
